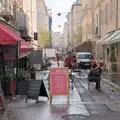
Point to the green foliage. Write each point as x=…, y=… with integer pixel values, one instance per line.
x=43, y=38
x=77, y=37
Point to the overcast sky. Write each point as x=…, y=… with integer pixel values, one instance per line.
x=62, y=6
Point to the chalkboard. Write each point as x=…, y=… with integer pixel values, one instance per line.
x=36, y=89
x=2, y=99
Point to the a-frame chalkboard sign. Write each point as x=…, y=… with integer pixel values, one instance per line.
x=36, y=89
x=2, y=99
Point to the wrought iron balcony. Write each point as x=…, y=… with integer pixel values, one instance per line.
x=8, y=16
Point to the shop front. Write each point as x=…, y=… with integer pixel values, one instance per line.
x=12, y=60
x=111, y=47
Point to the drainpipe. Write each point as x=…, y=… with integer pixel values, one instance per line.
x=17, y=66
x=116, y=25
x=117, y=14
x=99, y=33
x=92, y=33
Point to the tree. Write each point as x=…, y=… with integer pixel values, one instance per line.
x=43, y=38
x=77, y=37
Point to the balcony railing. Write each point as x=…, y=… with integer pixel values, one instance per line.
x=8, y=16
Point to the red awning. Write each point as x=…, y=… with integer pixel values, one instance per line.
x=24, y=54
x=7, y=36
x=25, y=47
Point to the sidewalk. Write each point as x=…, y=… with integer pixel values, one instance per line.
x=19, y=110
x=96, y=105
x=112, y=80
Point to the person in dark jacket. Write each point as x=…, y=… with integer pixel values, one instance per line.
x=95, y=75
x=32, y=73
x=74, y=62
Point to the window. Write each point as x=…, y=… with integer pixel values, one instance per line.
x=97, y=20
x=106, y=14
x=102, y=17
x=112, y=9
x=83, y=56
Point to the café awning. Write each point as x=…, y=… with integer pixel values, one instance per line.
x=25, y=46
x=7, y=36
x=116, y=39
x=24, y=54
x=110, y=39
x=104, y=38
x=25, y=49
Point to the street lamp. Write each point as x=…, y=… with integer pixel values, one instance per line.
x=59, y=14
x=59, y=26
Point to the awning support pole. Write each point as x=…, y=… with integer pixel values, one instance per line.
x=17, y=66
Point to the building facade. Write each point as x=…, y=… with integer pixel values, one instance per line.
x=87, y=20
x=42, y=23
x=65, y=35
x=74, y=25
x=58, y=41
x=69, y=25
x=8, y=9
x=102, y=18
x=30, y=20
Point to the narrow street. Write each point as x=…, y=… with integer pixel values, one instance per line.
x=93, y=105
x=42, y=42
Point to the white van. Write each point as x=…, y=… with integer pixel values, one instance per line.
x=84, y=60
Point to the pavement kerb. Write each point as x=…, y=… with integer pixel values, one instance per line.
x=114, y=87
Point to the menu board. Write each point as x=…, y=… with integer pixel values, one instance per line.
x=2, y=99
x=59, y=82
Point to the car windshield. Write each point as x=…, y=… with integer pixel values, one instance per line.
x=83, y=56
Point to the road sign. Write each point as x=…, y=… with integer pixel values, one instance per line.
x=59, y=82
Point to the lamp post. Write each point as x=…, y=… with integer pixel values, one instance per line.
x=17, y=64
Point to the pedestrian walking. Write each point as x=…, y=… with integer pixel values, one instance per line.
x=68, y=62
x=74, y=62
x=32, y=73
